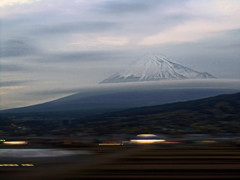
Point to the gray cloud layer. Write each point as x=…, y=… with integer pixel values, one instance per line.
x=14, y=48
x=11, y=67
x=73, y=27
x=13, y=83
x=136, y=6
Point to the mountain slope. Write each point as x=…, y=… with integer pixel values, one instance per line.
x=216, y=115
x=155, y=68
x=112, y=99
x=219, y=114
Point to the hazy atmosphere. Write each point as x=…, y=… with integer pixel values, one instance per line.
x=53, y=48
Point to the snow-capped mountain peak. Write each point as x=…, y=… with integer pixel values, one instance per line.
x=153, y=67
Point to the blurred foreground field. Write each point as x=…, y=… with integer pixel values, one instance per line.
x=132, y=162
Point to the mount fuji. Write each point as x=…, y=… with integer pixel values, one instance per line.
x=154, y=68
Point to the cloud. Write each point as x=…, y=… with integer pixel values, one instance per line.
x=75, y=27
x=85, y=56
x=121, y=7
x=15, y=48
x=227, y=6
x=115, y=41
x=11, y=68
x=13, y=2
x=13, y=83
x=81, y=56
x=204, y=19
x=231, y=84
x=189, y=32
x=230, y=46
x=97, y=41
x=55, y=92
x=136, y=6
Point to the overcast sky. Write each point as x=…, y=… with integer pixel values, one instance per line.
x=55, y=47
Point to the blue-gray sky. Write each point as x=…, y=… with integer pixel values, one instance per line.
x=59, y=46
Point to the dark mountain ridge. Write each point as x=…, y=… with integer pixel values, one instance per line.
x=218, y=114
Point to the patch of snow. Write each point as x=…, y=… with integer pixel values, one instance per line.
x=154, y=68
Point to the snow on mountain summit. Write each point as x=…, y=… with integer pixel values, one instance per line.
x=154, y=68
